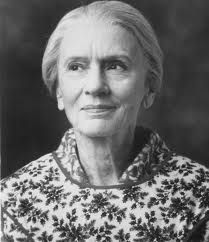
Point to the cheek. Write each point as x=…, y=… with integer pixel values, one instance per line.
x=70, y=90
x=130, y=94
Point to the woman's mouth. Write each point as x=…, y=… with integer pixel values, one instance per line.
x=99, y=109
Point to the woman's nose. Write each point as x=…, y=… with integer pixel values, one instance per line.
x=96, y=84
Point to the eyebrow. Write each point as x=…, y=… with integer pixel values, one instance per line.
x=103, y=59
x=75, y=58
x=113, y=57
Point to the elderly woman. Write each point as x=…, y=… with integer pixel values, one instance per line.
x=109, y=180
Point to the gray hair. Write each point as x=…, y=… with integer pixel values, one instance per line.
x=118, y=13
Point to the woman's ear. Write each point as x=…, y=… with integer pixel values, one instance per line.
x=148, y=99
x=60, y=103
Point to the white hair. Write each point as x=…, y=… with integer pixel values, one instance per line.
x=118, y=13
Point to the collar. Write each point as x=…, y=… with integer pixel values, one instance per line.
x=151, y=151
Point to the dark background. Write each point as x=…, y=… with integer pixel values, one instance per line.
x=31, y=125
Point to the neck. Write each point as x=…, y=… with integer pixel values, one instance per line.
x=105, y=158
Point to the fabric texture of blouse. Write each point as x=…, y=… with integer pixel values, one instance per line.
x=160, y=197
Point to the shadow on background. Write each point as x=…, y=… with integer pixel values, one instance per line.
x=31, y=123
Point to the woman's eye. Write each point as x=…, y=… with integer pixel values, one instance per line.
x=116, y=66
x=75, y=67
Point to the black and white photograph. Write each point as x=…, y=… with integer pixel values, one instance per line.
x=104, y=120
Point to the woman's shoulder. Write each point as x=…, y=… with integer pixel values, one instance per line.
x=185, y=167
x=188, y=174
x=28, y=167
x=26, y=187
x=186, y=179
x=32, y=172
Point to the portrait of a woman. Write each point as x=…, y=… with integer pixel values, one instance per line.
x=110, y=179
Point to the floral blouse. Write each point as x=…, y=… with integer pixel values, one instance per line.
x=160, y=197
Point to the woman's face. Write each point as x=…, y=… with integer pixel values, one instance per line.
x=101, y=73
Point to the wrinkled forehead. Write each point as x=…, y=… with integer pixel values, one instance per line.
x=85, y=35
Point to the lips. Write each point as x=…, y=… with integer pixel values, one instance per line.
x=98, y=108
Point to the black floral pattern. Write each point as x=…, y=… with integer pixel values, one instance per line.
x=149, y=232
x=161, y=197
x=69, y=231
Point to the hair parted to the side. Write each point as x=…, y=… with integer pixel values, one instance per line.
x=118, y=13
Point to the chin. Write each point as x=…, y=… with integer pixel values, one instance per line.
x=96, y=128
